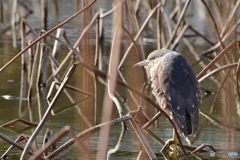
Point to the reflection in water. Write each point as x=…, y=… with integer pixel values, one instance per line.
x=81, y=102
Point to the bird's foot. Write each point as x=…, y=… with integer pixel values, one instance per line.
x=170, y=144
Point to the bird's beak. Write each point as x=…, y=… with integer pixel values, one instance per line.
x=142, y=63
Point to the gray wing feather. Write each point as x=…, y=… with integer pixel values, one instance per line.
x=176, y=89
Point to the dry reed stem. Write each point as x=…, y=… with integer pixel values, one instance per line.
x=214, y=23
x=48, y=97
x=131, y=94
x=178, y=24
x=81, y=146
x=47, y=145
x=8, y=151
x=158, y=28
x=155, y=117
x=86, y=133
x=102, y=74
x=13, y=20
x=217, y=13
x=5, y=138
x=174, y=11
x=138, y=34
x=114, y=59
x=161, y=35
x=132, y=41
x=43, y=16
x=224, y=51
x=112, y=70
x=63, y=109
x=46, y=114
x=227, y=23
x=42, y=66
x=237, y=72
x=218, y=93
x=75, y=89
x=66, y=92
x=45, y=35
x=201, y=35
x=233, y=29
x=167, y=20
x=56, y=44
x=70, y=98
x=23, y=92
x=154, y=137
x=217, y=70
x=175, y=43
x=32, y=81
x=98, y=46
x=180, y=35
x=138, y=51
x=63, y=147
x=202, y=147
x=118, y=144
x=191, y=148
x=10, y=123
x=112, y=10
x=8, y=26
x=143, y=140
x=31, y=29
x=73, y=48
x=140, y=154
x=23, y=44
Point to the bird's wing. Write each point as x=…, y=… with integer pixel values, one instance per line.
x=175, y=82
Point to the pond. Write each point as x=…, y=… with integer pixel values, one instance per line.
x=220, y=111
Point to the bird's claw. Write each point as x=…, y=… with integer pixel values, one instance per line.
x=170, y=144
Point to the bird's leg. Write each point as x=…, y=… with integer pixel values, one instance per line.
x=174, y=141
x=171, y=143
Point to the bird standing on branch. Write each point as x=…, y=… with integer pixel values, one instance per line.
x=176, y=89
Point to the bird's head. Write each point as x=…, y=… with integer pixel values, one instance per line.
x=152, y=58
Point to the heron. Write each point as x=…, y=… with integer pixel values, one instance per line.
x=176, y=89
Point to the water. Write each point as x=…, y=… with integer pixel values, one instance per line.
x=224, y=136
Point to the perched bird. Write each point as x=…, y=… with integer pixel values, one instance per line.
x=176, y=88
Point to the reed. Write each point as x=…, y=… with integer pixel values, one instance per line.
x=47, y=72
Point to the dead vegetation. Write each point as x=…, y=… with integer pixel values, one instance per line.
x=46, y=76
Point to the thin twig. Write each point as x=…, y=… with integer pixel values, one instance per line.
x=87, y=133
x=5, y=138
x=46, y=34
x=143, y=140
x=217, y=58
x=138, y=34
x=217, y=70
x=214, y=23
x=178, y=24
x=55, y=139
x=48, y=111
